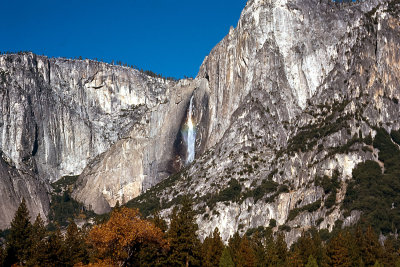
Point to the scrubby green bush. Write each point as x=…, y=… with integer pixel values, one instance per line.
x=395, y=136
x=368, y=140
x=330, y=200
x=309, y=207
x=308, y=136
x=330, y=186
x=383, y=142
x=266, y=187
x=63, y=208
x=312, y=206
x=374, y=193
x=231, y=193
x=284, y=227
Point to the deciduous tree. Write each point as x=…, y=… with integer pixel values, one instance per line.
x=120, y=239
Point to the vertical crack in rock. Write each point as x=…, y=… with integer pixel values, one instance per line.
x=36, y=141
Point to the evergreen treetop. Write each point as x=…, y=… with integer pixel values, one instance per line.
x=18, y=243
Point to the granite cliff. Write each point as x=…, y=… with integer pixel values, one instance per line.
x=288, y=96
x=62, y=117
x=294, y=92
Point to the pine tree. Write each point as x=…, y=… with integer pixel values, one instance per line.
x=305, y=247
x=54, y=249
x=259, y=249
x=293, y=259
x=226, y=259
x=18, y=245
x=205, y=250
x=245, y=256
x=74, y=246
x=184, y=244
x=389, y=254
x=309, y=244
x=2, y=255
x=370, y=248
x=312, y=262
x=353, y=249
x=281, y=248
x=153, y=255
x=319, y=248
x=212, y=249
x=270, y=248
x=338, y=252
x=38, y=243
x=159, y=222
x=234, y=246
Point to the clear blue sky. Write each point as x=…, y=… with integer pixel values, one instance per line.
x=171, y=37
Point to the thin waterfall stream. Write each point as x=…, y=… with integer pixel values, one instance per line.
x=191, y=134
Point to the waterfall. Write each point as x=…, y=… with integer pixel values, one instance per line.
x=191, y=134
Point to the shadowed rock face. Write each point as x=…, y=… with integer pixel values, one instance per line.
x=16, y=185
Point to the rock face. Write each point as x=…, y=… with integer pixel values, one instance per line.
x=291, y=94
x=59, y=115
x=144, y=157
x=286, y=50
x=16, y=185
x=288, y=96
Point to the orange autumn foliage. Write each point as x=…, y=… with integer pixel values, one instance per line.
x=99, y=263
x=120, y=239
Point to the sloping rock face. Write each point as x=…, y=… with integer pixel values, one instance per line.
x=148, y=154
x=291, y=94
x=59, y=115
x=18, y=184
